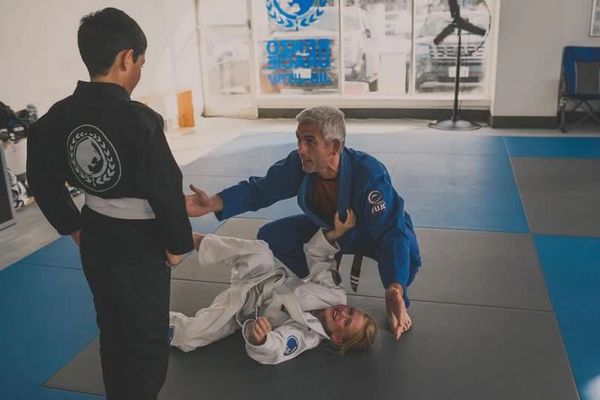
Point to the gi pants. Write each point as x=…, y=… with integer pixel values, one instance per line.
x=286, y=238
x=124, y=263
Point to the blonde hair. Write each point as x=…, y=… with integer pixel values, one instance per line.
x=363, y=339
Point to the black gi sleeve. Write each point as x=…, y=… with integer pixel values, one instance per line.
x=47, y=181
x=160, y=181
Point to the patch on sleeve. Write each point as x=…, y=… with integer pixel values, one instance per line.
x=291, y=345
x=337, y=279
x=375, y=198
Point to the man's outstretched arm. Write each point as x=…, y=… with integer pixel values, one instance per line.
x=200, y=203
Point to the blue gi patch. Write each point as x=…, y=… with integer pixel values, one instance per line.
x=291, y=346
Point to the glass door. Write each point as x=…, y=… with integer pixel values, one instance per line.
x=227, y=57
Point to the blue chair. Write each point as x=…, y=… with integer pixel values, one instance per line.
x=580, y=83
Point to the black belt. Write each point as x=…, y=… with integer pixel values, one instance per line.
x=354, y=272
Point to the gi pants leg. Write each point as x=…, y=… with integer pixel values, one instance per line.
x=124, y=263
x=287, y=236
x=250, y=260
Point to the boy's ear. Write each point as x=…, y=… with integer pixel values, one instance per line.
x=124, y=59
x=128, y=56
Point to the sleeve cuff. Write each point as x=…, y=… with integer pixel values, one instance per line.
x=319, y=240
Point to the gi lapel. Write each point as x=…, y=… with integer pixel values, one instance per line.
x=344, y=184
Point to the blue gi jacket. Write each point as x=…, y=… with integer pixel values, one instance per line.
x=383, y=229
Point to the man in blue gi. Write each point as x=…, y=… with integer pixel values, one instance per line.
x=328, y=178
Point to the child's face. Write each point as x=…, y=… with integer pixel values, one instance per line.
x=343, y=322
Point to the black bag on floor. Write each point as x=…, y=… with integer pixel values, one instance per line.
x=12, y=127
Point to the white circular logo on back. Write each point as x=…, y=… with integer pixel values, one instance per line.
x=93, y=158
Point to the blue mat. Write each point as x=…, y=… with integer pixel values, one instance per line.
x=571, y=267
x=52, y=394
x=61, y=253
x=244, y=156
x=460, y=192
x=553, y=147
x=428, y=143
x=47, y=318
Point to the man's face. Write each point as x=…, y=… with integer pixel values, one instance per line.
x=343, y=322
x=314, y=152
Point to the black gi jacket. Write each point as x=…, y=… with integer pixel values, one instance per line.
x=102, y=142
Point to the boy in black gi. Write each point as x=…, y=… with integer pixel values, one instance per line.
x=134, y=223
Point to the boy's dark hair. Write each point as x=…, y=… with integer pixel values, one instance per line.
x=103, y=34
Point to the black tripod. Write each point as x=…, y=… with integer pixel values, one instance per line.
x=455, y=123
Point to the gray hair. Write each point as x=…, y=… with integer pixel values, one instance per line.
x=330, y=121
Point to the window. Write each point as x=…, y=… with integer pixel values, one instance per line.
x=342, y=49
x=378, y=38
x=435, y=65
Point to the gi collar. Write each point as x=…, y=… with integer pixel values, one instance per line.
x=316, y=325
x=101, y=91
x=344, y=191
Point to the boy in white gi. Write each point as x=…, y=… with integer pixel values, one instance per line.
x=280, y=315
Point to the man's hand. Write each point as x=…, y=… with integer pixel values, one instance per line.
x=259, y=330
x=339, y=227
x=199, y=203
x=76, y=236
x=398, y=319
x=172, y=259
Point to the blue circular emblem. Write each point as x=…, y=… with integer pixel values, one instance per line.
x=291, y=345
x=294, y=14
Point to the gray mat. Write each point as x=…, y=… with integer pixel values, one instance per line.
x=463, y=267
x=560, y=196
x=452, y=352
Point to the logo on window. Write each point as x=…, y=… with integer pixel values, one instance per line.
x=294, y=14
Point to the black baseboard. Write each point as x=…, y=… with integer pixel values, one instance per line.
x=481, y=116
x=551, y=122
x=523, y=122
x=384, y=113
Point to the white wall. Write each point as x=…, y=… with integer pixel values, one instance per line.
x=40, y=62
x=532, y=34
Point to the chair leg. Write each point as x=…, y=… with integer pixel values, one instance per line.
x=589, y=112
x=563, y=109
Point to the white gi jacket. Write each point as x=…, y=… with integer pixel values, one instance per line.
x=259, y=287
